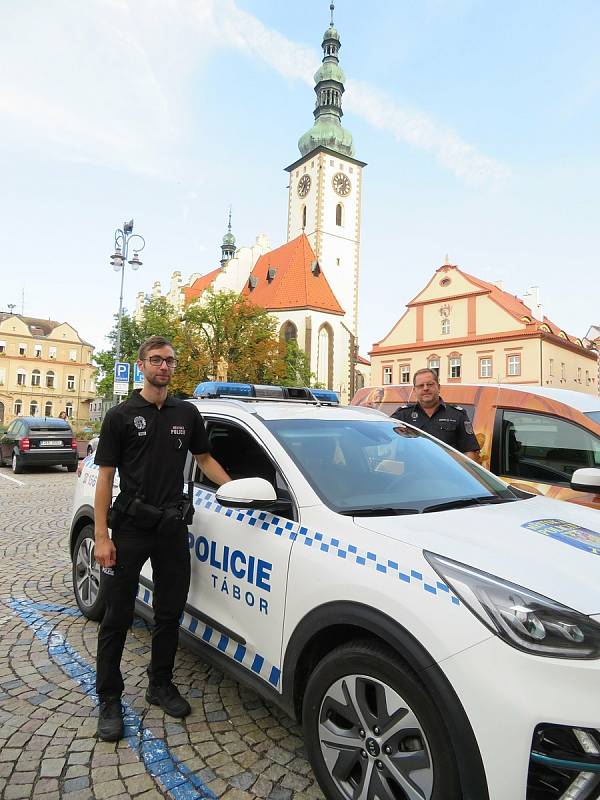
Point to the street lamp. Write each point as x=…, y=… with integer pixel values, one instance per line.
x=123, y=236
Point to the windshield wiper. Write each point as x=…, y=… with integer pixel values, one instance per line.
x=377, y=512
x=464, y=502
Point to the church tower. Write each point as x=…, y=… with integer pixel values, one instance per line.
x=326, y=183
x=228, y=246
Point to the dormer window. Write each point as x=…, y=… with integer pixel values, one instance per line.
x=252, y=282
x=315, y=268
x=271, y=272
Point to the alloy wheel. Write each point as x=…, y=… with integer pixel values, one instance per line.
x=373, y=743
x=87, y=573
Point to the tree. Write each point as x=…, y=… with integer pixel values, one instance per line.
x=297, y=365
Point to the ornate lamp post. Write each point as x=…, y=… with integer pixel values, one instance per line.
x=123, y=237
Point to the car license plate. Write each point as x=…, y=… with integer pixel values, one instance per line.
x=50, y=443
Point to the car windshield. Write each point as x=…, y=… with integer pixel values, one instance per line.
x=593, y=415
x=382, y=467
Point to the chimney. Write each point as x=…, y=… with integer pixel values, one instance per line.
x=531, y=298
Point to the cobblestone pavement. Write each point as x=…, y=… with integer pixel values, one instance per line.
x=233, y=745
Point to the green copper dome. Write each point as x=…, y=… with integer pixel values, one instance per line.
x=327, y=133
x=330, y=71
x=229, y=238
x=331, y=33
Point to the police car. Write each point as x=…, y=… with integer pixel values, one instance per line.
x=436, y=631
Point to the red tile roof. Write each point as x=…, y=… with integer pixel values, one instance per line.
x=294, y=283
x=194, y=291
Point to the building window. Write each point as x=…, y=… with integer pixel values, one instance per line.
x=38, y=350
x=50, y=379
x=404, y=374
x=578, y=374
x=52, y=352
x=22, y=349
x=36, y=377
x=514, y=365
x=2, y=376
x=339, y=214
x=69, y=409
x=73, y=353
x=21, y=377
x=289, y=332
x=304, y=216
x=34, y=408
x=587, y=377
x=551, y=367
x=387, y=376
x=48, y=409
x=485, y=367
x=563, y=371
x=434, y=365
x=18, y=407
x=445, y=326
x=2, y=347
x=71, y=382
x=454, y=371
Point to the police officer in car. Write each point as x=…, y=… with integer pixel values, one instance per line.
x=147, y=438
x=446, y=422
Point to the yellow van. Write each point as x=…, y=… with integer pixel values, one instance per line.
x=531, y=436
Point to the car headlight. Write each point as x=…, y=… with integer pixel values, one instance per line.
x=524, y=619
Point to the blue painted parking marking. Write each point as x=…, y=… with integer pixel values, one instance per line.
x=180, y=782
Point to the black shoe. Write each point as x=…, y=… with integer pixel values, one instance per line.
x=110, y=720
x=169, y=699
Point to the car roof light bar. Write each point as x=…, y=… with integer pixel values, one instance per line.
x=254, y=391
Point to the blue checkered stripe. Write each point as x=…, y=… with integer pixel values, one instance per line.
x=326, y=545
x=244, y=655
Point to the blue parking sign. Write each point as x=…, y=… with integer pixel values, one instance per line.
x=138, y=376
x=122, y=372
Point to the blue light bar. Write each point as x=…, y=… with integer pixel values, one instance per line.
x=223, y=389
x=243, y=390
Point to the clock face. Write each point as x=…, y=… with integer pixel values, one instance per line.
x=341, y=184
x=304, y=186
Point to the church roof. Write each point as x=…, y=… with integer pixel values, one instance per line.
x=290, y=277
x=194, y=291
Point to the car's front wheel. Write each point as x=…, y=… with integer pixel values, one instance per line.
x=87, y=580
x=372, y=731
x=17, y=464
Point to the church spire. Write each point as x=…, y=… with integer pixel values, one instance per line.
x=329, y=88
x=228, y=246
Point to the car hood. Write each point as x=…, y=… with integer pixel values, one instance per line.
x=548, y=546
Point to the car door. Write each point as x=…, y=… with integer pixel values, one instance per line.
x=7, y=441
x=539, y=452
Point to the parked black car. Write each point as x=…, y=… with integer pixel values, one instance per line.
x=38, y=441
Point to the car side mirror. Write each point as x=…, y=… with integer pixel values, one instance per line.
x=586, y=480
x=247, y=493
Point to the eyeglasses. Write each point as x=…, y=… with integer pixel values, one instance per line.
x=157, y=361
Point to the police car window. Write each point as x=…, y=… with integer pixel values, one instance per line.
x=545, y=448
x=379, y=464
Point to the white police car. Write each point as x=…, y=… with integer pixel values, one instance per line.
x=436, y=632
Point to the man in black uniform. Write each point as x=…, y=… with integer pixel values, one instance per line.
x=448, y=423
x=147, y=438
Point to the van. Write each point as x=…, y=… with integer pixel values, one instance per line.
x=533, y=437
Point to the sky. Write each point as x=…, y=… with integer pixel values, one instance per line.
x=479, y=123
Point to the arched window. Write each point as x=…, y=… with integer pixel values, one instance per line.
x=433, y=363
x=339, y=214
x=34, y=408
x=18, y=407
x=445, y=326
x=21, y=377
x=48, y=409
x=50, y=379
x=69, y=409
x=36, y=377
x=325, y=356
x=289, y=332
x=304, y=216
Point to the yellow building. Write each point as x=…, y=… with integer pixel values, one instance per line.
x=471, y=331
x=45, y=368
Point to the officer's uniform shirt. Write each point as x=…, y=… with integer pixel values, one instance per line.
x=448, y=423
x=149, y=445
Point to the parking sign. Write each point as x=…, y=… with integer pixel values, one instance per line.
x=138, y=377
x=121, y=384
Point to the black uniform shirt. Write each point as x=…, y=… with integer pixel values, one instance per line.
x=448, y=423
x=149, y=445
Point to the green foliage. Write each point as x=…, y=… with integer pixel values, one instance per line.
x=297, y=366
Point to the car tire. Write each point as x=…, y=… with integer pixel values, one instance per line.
x=17, y=464
x=87, y=576
x=353, y=696
x=72, y=467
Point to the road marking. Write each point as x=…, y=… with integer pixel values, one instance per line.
x=177, y=779
x=14, y=480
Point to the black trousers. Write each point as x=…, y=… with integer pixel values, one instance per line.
x=170, y=559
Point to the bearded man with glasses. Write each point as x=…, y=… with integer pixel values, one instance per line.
x=147, y=439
